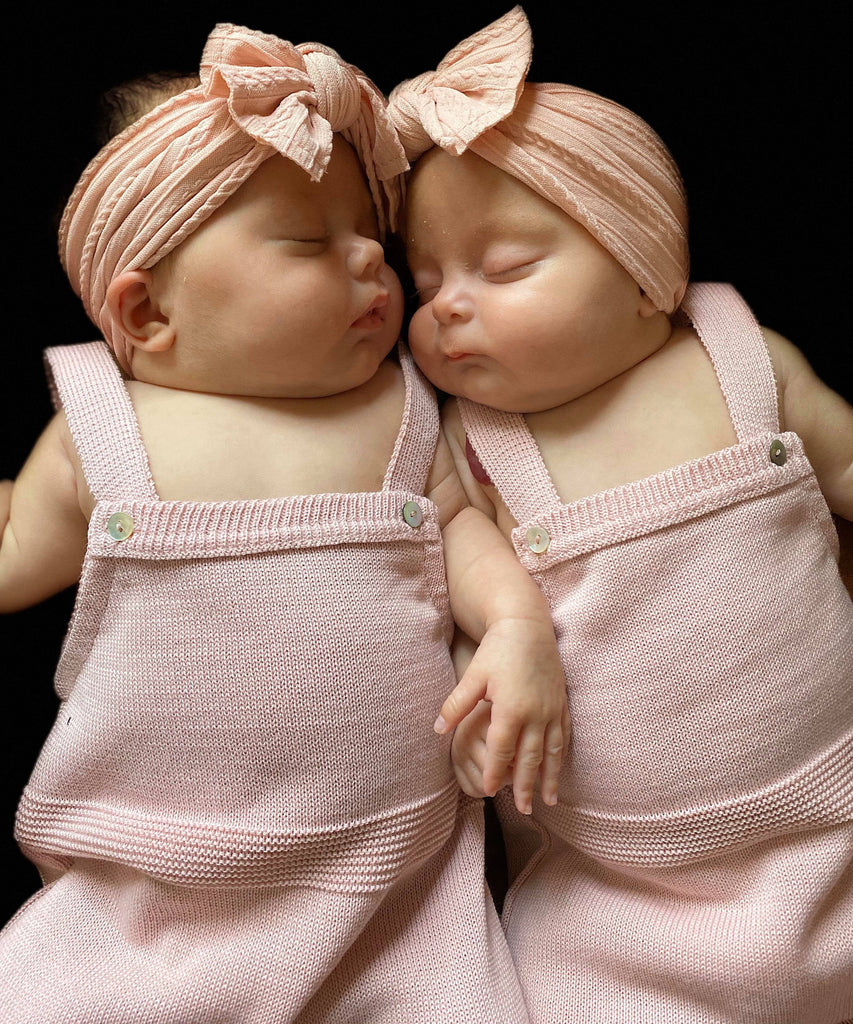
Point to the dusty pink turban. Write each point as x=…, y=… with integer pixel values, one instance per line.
x=595, y=160
x=157, y=181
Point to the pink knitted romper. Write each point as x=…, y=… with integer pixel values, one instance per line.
x=699, y=864
x=242, y=811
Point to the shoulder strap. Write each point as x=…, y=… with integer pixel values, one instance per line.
x=731, y=334
x=728, y=329
x=414, y=449
x=88, y=386
x=510, y=455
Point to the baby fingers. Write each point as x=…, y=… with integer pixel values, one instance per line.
x=461, y=701
x=503, y=752
x=556, y=739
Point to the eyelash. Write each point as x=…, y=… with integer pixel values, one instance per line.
x=419, y=292
x=513, y=269
x=322, y=241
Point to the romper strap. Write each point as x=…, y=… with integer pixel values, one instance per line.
x=731, y=334
x=510, y=455
x=414, y=449
x=87, y=385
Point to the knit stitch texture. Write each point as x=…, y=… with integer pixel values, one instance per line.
x=698, y=868
x=242, y=810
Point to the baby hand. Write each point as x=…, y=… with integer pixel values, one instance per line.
x=468, y=751
x=517, y=670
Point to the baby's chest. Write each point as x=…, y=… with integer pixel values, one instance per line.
x=631, y=430
x=215, y=448
x=283, y=464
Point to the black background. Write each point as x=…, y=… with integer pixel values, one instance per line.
x=752, y=99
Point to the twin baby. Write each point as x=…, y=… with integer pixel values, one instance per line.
x=287, y=557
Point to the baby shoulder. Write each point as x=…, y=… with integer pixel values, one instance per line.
x=801, y=392
x=821, y=418
x=787, y=360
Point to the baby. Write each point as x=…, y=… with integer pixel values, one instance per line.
x=665, y=470
x=242, y=811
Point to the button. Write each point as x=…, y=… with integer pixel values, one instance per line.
x=778, y=454
x=120, y=526
x=412, y=514
x=538, y=539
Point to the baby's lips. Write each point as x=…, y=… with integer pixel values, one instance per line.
x=380, y=301
x=374, y=315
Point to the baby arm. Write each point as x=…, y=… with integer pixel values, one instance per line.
x=43, y=527
x=516, y=667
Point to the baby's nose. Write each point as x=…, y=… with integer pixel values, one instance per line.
x=365, y=255
x=451, y=302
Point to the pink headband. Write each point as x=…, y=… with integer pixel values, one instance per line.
x=595, y=160
x=156, y=182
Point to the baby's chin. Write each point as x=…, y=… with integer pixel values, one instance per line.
x=480, y=384
x=474, y=385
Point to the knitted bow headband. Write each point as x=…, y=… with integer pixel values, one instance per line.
x=598, y=162
x=156, y=182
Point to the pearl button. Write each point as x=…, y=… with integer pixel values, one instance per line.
x=412, y=514
x=120, y=526
x=778, y=454
x=538, y=539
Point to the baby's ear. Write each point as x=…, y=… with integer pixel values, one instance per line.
x=131, y=304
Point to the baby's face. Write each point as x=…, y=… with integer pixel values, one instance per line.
x=284, y=291
x=520, y=308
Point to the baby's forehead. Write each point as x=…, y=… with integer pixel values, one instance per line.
x=451, y=173
x=455, y=197
x=285, y=189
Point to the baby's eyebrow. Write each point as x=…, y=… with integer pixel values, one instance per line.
x=504, y=225
x=286, y=219
x=513, y=225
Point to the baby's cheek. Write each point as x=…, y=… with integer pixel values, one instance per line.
x=396, y=300
x=423, y=349
x=419, y=332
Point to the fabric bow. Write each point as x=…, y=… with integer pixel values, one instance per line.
x=477, y=85
x=290, y=99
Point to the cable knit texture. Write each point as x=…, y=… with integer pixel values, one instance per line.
x=698, y=868
x=594, y=159
x=242, y=808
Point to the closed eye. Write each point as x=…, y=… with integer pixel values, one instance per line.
x=306, y=246
x=425, y=295
x=515, y=272
x=426, y=287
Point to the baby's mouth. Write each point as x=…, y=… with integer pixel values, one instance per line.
x=374, y=315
